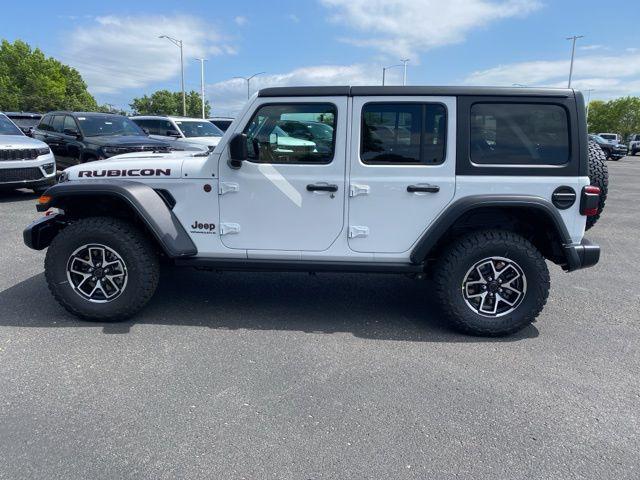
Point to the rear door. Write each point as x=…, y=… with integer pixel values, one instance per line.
x=402, y=169
x=289, y=195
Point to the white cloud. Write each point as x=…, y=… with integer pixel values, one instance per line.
x=229, y=96
x=593, y=47
x=608, y=75
x=115, y=53
x=240, y=20
x=294, y=18
x=407, y=27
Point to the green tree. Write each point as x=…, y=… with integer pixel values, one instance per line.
x=31, y=81
x=164, y=102
x=621, y=115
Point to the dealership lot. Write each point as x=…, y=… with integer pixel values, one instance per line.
x=239, y=375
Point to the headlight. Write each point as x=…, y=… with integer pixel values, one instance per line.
x=43, y=151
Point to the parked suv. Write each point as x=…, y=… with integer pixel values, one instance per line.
x=182, y=130
x=611, y=148
x=26, y=121
x=223, y=123
x=79, y=137
x=24, y=161
x=634, y=143
x=474, y=187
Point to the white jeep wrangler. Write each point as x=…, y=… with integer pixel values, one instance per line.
x=474, y=186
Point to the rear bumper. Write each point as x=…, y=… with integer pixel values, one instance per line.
x=580, y=256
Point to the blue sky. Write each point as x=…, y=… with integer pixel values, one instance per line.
x=491, y=42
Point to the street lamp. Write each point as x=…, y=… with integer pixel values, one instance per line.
x=404, y=75
x=573, y=53
x=384, y=70
x=248, y=80
x=178, y=43
x=202, y=60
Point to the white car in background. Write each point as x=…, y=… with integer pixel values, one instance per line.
x=24, y=161
x=180, y=131
x=611, y=137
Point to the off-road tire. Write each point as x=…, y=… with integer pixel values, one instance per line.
x=463, y=254
x=598, y=177
x=136, y=250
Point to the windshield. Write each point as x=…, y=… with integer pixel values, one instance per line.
x=608, y=136
x=198, y=129
x=25, y=121
x=7, y=127
x=101, y=125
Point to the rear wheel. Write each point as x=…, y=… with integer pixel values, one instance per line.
x=102, y=269
x=492, y=283
x=599, y=177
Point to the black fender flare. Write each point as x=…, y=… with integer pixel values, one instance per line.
x=455, y=211
x=145, y=202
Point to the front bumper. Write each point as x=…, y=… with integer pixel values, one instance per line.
x=39, y=234
x=580, y=256
x=28, y=173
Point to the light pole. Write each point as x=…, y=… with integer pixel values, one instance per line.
x=404, y=75
x=178, y=43
x=573, y=53
x=589, y=90
x=202, y=60
x=384, y=70
x=248, y=80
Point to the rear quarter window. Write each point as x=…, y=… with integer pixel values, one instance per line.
x=519, y=134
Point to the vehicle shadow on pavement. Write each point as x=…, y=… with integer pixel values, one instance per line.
x=7, y=196
x=381, y=307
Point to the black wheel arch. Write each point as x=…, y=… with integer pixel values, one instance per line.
x=535, y=218
x=120, y=198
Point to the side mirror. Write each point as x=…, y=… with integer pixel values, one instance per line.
x=145, y=130
x=71, y=132
x=173, y=133
x=238, y=150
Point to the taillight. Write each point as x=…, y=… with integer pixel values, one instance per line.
x=590, y=200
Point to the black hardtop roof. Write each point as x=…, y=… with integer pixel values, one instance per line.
x=393, y=90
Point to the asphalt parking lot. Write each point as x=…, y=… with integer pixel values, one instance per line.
x=291, y=376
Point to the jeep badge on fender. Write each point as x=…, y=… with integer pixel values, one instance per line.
x=392, y=179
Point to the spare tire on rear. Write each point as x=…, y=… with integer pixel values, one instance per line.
x=599, y=177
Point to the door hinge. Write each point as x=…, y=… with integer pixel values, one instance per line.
x=356, y=231
x=226, y=187
x=227, y=228
x=355, y=190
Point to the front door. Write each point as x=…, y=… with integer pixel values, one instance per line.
x=402, y=173
x=289, y=195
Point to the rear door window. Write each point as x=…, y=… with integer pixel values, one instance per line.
x=519, y=134
x=403, y=133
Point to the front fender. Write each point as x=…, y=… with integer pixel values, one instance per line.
x=143, y=200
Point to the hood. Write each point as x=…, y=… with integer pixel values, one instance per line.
x=127, y=140
x=206, y=141
x=131, y=166
x=20, y=141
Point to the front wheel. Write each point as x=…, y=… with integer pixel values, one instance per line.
x=492, y=283
x=102, y=269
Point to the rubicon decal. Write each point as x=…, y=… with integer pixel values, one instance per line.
x=200, y=227
x=133, y=172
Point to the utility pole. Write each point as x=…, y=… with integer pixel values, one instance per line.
x=573, y=54
x=248, y=80
x=202, y=60
x=384, y=70
x=178, y=43
x=404, y=75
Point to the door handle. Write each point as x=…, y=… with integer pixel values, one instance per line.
x=314, y=187
x=423, y=188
